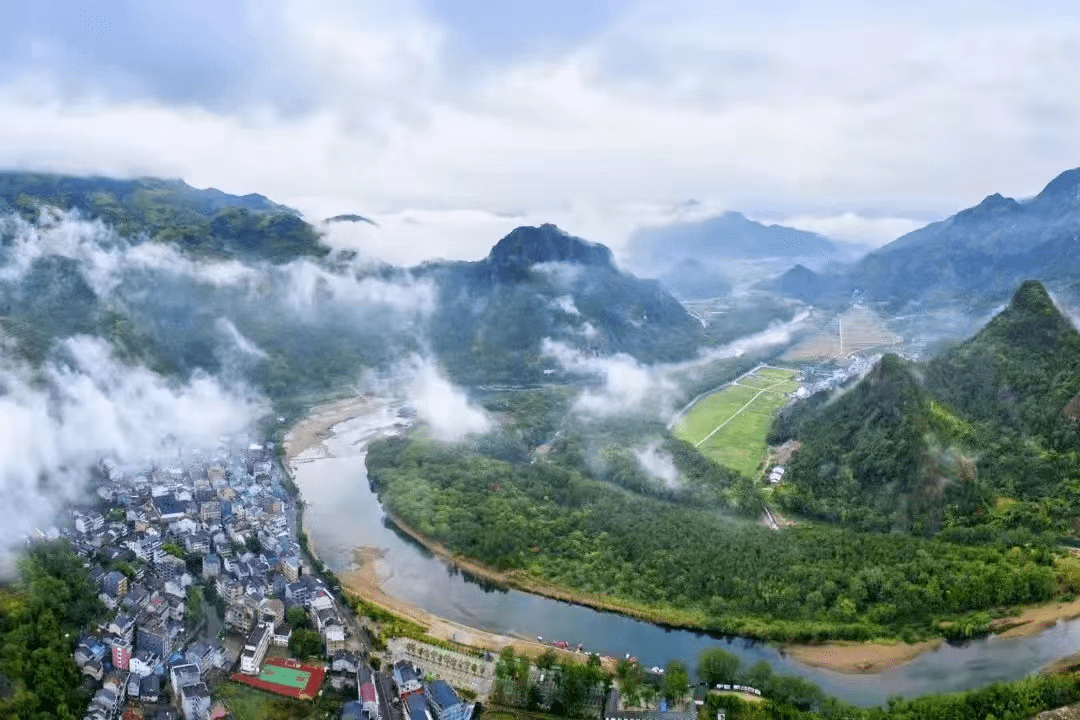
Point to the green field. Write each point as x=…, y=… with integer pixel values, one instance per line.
x=740, y=443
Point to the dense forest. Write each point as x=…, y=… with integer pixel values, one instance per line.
x=702, y=566
x=40, y=618
x=985, y=437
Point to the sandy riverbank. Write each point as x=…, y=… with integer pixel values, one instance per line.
x=317, y=425
x=1034, y=620
x=364, y=582
x=859, y=658
x=878, y=657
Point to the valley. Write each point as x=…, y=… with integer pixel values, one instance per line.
x=499, y=459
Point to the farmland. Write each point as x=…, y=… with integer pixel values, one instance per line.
x=853, y=331
x=730, y=425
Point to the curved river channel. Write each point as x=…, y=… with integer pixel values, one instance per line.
x=342, y=514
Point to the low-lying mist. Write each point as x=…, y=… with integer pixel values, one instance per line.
x=110, y=346
x=625, y=386
x=82, y=406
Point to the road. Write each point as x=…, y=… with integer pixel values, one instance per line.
x=385, y=688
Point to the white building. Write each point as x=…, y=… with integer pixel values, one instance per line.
x=255, y=649
x=334, y=635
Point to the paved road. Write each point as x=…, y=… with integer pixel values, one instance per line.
x=385, y=687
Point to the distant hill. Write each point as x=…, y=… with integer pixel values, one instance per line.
x=690, y=279
x=698, y=260
x=350, y=218
x=730, y=236
x=985, y=433
x=206, y=223
x=803, y=283
x=539, y=282
x=975, y=258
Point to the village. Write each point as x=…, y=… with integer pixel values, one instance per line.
x=201, y=568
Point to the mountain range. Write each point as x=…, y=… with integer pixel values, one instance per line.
x=705, y=258
x=972, y=259
x=205, y=223
x=986, y=432
x=290, y=316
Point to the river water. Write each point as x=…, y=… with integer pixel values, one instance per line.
x=342, y=513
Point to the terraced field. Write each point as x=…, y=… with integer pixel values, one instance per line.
x=730, y=425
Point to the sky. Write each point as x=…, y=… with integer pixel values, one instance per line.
x=452, y=122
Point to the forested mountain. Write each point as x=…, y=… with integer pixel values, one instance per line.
x=252, y=292
x=539, y=282
x=971, y=260
x=1021, y=373
x=869, y=445
x=985, y=434
x=202, y=222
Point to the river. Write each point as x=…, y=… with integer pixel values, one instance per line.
x=342, y=514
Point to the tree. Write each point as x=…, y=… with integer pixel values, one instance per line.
x=676, y=681
x=716, y=665
x=173, y=549
x=547, y=659
x=630, y=677
x=648, y=694
x=305, y=643
x=297, y=617
x=759, y=675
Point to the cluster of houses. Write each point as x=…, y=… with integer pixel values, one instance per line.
x=221, y=519
x=418, y=698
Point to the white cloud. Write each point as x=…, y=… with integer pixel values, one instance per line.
x=658, y=464
x=94, y=408
x=238, y=339
x=811, y=113
x=448, y=412
x=565, y=303
x=850, y=227
x=626, y=386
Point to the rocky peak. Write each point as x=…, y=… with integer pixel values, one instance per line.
x=526, y=246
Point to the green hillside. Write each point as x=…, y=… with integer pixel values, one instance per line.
x=984, y=435
x=540, y=283
x=1019, y=373
x=202, y=222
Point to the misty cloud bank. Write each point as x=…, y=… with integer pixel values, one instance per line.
x=72, y=393
x=449, y=414
x=84, y=406
x=626, y=386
